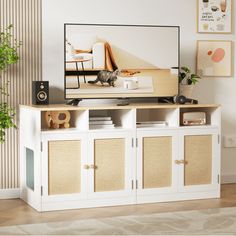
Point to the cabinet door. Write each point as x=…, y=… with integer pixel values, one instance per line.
x=199, y=160
x=63, y=175
x=156, y=172
x=111, y=166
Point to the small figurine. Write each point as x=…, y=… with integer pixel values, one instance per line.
x=57, y=119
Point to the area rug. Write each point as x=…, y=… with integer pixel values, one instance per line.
x=221, y=221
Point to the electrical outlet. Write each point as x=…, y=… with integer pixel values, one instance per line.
x=229, y=141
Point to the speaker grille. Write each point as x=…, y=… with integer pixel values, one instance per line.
x=40, y=92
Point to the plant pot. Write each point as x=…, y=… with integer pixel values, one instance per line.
x=186, y=90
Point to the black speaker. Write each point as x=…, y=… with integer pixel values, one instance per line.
x=40, y=92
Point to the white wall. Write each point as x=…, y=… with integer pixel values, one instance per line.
x=161, y=12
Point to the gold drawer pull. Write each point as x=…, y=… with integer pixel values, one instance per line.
x=86, y=167
x=183, y=162
x=178, y=162
x=93, y=167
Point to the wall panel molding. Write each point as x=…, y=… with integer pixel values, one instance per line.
x=25, y=15
x=9, y=193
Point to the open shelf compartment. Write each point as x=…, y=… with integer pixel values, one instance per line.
x=212, y=115
x=157, y=117
x=111, y=118
x=78, y=120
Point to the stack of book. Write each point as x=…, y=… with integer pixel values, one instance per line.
x=143, y=124
x=101, y=122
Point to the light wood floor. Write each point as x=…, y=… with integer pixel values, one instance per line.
x=14, y=212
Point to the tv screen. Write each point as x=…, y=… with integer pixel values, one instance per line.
x=120, y=61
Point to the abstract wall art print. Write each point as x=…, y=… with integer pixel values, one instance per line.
x=214, y=58
x=214, y=16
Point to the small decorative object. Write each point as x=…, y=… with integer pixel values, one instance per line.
x=214, y=16
x=8, y=56
x=131, y=83
x=57, y=119
x=193, y=118
x=214, y=58
x=187, y=81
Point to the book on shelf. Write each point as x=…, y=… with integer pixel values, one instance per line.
x=97, y=118
x=108, y=126
x=152, y=124
x=101, y=122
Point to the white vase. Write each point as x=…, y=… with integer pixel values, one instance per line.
x=186, y=90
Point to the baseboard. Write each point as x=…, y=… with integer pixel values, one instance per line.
x=228, y=179
x=9, y=193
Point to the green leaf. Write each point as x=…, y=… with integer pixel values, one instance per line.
x=195, y=76
x=8, y=56
x=8, y=48
x=7, y=115
x=185, y=69
x=188, y=78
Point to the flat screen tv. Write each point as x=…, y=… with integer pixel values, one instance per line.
x=120, y=61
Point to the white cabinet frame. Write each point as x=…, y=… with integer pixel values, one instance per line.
x=35, y=135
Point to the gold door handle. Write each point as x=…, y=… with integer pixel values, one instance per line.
x=93, y=167
x=86, y=167
x=183, y=162
x=178, y=162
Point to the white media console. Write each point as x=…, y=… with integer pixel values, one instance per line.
x=80, y=167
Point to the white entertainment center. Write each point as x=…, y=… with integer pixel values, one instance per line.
x=79, y=167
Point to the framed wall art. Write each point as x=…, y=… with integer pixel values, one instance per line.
x=214, y=58
x=214, y=16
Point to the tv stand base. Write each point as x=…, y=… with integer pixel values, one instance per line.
x=123, y=102
x=74, y=102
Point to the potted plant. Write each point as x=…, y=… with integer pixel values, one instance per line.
x=187, y=81
x=8, y=56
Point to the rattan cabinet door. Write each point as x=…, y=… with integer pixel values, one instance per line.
x=198, y=159
x=63, y=172
x=111, y=167
x=109, y=159
x=157, y=151
x=64, y=167
x=157, y=162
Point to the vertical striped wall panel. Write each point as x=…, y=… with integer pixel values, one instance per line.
x=25, y=15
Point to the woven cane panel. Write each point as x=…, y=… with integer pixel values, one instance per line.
x=110, y=162
x=198, y=154
x=64, y=167
x=157, y=162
